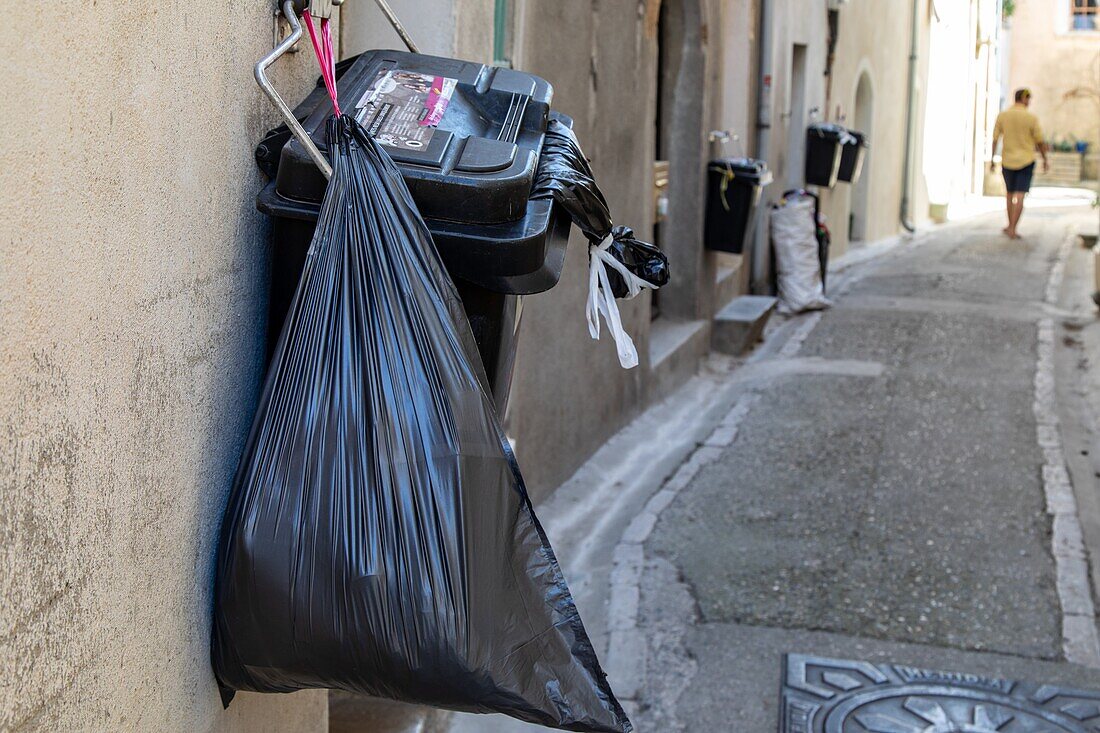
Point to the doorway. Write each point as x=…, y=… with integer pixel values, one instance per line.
x=863, y=116
x=664, y=83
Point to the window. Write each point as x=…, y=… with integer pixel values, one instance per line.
x=1085, y=15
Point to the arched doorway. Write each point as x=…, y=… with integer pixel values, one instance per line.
x=862, y=120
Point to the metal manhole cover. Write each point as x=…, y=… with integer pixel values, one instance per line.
x=838, y=696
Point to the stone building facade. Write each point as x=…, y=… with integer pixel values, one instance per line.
x=1054, y=50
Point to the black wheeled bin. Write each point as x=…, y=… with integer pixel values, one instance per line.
x=823, y=153
x=467, y=140
x=733, y=191
x=853, y=153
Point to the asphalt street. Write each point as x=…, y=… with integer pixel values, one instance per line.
x=897, y=516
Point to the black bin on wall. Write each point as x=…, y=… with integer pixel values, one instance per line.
x=733, y=191
x=853, y=153
x=823, y=154
x=470, y=175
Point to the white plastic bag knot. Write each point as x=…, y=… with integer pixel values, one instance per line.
x=601, y=299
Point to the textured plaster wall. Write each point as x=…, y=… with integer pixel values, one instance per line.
x=458, y=28
x=569, y=392
x=131, y=323
x=1062, y=69
x=740, y=25
x=873, y=40
x=796, y=22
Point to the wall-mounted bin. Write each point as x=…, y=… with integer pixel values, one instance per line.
x=824, y=147
x=470, y=170
x=853, y=153
x=733, y=191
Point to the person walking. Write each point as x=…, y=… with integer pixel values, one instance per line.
x=1023, y=137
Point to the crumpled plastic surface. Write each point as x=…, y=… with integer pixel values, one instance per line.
x=379, y=537
x=565, y=175
x=797, y=255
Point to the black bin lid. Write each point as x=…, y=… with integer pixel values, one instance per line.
x=475, y=165
x=749, y=169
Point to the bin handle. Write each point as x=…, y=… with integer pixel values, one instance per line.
x=287, y=43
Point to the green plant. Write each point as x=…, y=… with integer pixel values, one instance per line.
x=1061, y=145
x=1008, y=8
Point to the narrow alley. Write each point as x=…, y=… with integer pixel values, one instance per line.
x=880, y=483
x=504, y=366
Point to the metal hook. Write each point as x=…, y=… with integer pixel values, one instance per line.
x=724, y=137
x=269, y=89
x=291, y=15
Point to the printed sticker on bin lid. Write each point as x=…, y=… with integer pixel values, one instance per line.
x=401, y=109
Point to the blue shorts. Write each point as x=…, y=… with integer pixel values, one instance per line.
x=1018, y=180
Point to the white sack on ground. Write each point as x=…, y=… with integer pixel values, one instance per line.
x=796, y=256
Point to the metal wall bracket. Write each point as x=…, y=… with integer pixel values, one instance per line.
x=318, y=9
x=269, y=89
x=280, y=29
x=323, y=8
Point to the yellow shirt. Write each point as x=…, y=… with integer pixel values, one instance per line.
x=1022, y=135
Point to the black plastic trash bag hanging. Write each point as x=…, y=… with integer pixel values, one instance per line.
x=379, y=537
x=620, y=266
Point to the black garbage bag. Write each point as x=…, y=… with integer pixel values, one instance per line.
x=379, y=537
x=565, y=175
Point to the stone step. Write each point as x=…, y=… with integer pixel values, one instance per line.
x=739, y=326
x=727, y=280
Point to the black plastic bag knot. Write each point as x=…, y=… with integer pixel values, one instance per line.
x=565, y=175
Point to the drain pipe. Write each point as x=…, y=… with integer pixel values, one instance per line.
x=760, y=261
x=910, y=122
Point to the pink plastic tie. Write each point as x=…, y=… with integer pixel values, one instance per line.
x=326, y=59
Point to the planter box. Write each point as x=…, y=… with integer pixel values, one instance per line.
x=1065, y=170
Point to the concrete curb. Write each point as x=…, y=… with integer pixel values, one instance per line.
x=1080, y=642
x=626, y=653
x=627, y=648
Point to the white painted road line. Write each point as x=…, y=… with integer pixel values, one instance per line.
x=1080, y=642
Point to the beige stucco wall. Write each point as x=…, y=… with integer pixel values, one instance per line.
x=1060, y=66
x=803, y=23
x=737, y=112
x=131, y=319
x=869, y=34
x=869, y=38
x=967, y=54
x=873, y=40
x=458, y=28
x=873, y=44
x=569, y=392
